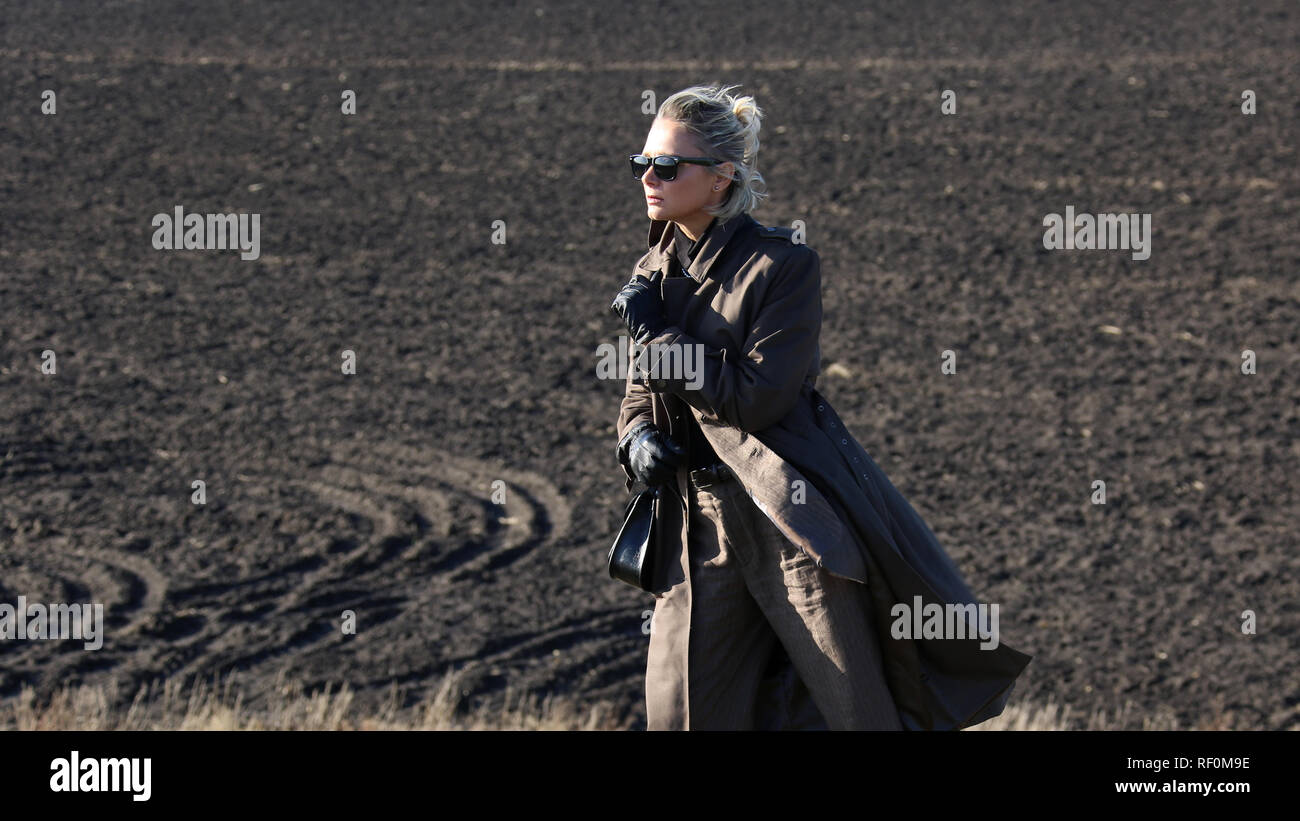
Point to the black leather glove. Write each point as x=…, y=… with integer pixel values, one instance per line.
x=641, y=307
x=652, y=456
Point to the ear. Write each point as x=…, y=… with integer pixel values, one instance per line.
x=726, y=169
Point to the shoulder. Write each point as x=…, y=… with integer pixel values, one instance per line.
x=777, y=247
x=778, y=233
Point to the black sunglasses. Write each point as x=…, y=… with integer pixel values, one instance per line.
x=665, y=165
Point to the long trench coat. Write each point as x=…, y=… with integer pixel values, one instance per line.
x=752, y=299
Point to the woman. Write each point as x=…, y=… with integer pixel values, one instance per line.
x=783, y=544
x=755, y=594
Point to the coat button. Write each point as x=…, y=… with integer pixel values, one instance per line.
x=821, y=407
x=844, y=441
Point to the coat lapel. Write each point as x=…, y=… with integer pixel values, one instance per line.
x=665, y=244
x=668, y=252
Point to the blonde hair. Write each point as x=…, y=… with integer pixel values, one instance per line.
x=726, y=126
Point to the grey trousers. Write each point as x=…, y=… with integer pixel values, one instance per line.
x=774, y=642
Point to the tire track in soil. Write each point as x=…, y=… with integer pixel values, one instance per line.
x=591, y=648
x=129, y=587
x=413, y=542
x=424, y=523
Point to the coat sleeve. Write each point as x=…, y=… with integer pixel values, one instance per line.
x=636, y=407
x=757, y=388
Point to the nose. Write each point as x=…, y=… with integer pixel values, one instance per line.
x=651, y=182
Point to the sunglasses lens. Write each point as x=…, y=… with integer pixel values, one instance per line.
x=666, y=168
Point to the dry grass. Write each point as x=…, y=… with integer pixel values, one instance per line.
x=220, y=706
x=1053, y=716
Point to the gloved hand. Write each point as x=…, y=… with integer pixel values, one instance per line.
x=641, y=307
x=651, y=455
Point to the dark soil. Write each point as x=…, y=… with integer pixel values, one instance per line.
x=476, y=361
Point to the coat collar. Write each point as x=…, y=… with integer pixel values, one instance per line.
x=665, y=240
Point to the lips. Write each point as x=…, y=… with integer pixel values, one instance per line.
x=654, y=199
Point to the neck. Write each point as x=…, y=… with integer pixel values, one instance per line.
x=694, y=229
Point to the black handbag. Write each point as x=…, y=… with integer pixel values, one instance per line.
x=632, y=557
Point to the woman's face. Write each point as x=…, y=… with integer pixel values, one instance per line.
x=682, y=199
